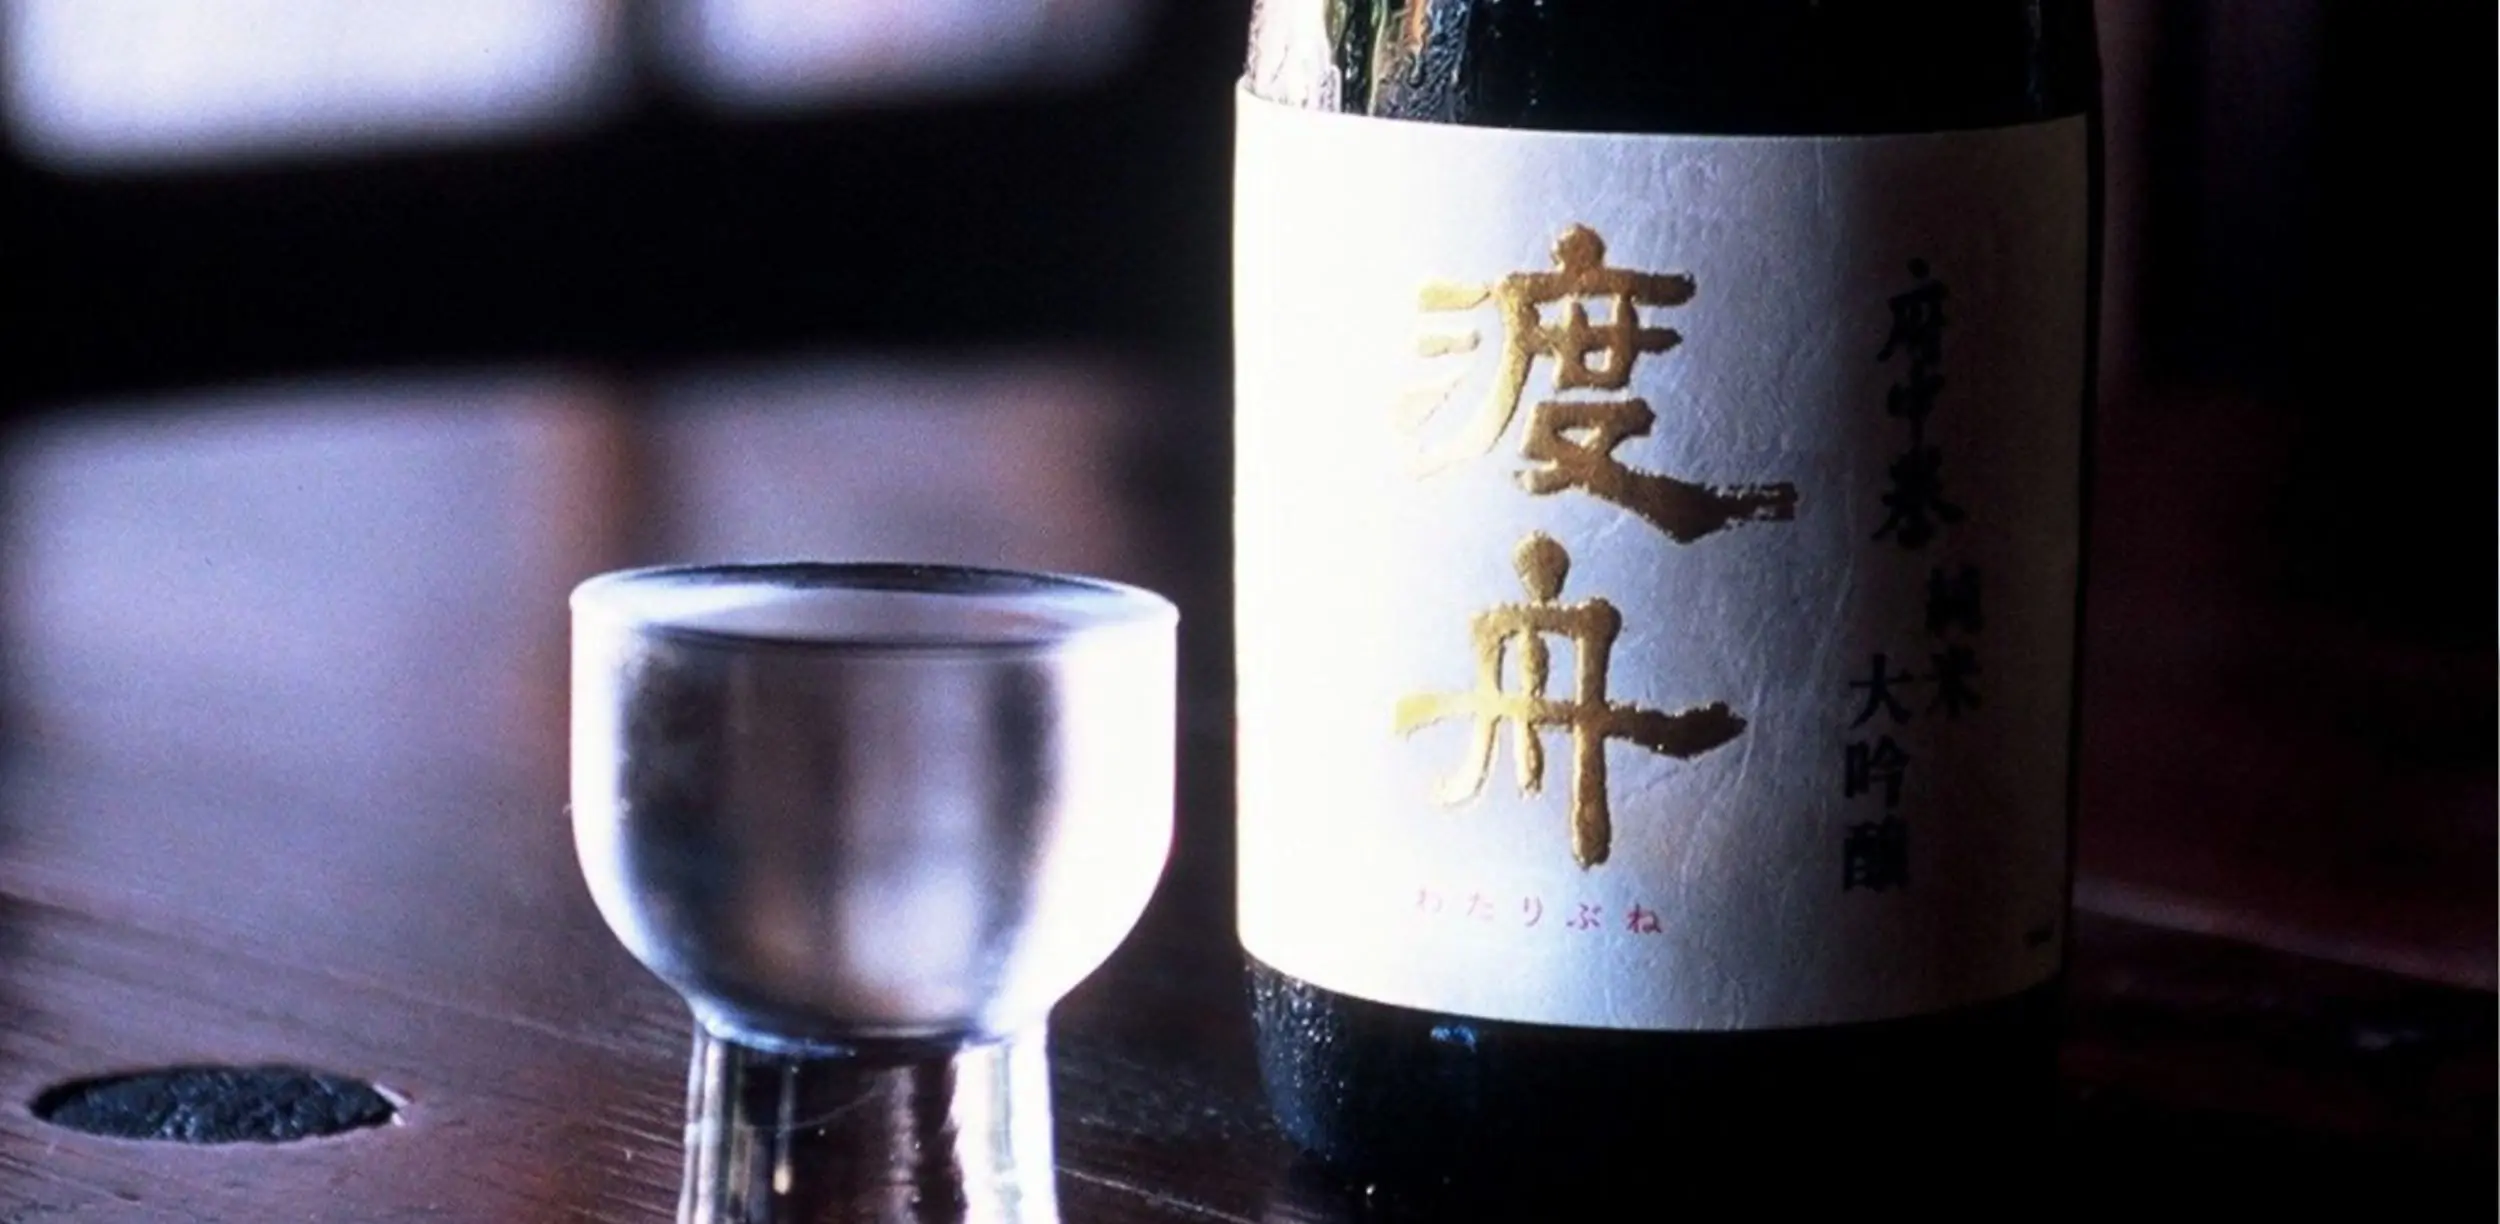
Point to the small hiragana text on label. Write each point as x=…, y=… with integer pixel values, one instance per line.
x=1462, y=907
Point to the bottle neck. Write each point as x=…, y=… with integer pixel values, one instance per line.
x=888, y=1134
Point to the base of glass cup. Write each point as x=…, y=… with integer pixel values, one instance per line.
x=924, y=1132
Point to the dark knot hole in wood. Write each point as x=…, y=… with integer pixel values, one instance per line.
x=210, y=1104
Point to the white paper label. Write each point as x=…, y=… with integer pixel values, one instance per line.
x=1656, y=566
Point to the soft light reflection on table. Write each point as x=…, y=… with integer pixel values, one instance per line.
x=284, y=707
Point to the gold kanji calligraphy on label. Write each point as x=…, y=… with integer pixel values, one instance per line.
x=1571, y=443
x=1591, y=718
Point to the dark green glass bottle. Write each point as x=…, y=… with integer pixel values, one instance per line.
x=1939, y=1100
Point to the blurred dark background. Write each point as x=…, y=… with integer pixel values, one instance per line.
x=346, y=337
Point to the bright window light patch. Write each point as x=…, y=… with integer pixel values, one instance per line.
x=793, y=53
x=136, y=84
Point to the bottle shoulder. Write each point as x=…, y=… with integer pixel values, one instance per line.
x=1726, y=67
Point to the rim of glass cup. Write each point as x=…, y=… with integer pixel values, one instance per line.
x=736, y=604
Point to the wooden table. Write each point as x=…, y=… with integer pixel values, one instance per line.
x=284, y=786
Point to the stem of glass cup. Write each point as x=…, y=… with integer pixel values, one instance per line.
x=885, y=1133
